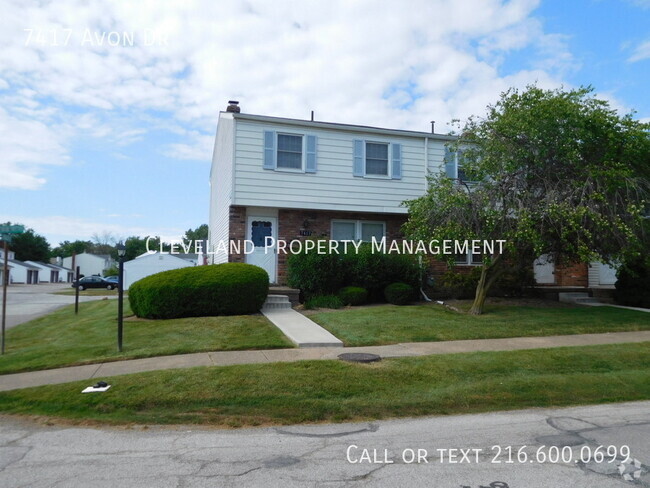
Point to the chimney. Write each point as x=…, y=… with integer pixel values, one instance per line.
x=233, y=106
x=433, y=125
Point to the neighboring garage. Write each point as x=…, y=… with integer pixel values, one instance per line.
x=148, y=264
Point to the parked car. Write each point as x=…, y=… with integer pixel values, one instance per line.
x=94, y=282
x=112, y=279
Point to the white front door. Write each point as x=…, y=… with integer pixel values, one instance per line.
x=544, y=270
x=257, y=230
x=607, y=274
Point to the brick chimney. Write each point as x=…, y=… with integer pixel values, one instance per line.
x=233, y=106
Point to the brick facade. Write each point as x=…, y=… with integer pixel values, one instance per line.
x=576, y=274
x=318, y=223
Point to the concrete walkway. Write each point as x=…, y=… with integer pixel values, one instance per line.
x=95, y=372
x=300, y=330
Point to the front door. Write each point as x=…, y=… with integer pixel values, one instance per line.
x=607, y=274
x=544, y=269
x=258, y=229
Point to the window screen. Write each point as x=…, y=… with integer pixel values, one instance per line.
x=289, y=151
x=343, y=231
x=370, y=230
x=376, y=159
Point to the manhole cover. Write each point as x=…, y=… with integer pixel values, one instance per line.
x=359, y=357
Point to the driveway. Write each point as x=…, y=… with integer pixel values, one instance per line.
x=27, y=302
x=520, y=449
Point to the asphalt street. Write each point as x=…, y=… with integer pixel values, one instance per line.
x=27, y=302
x=582, y=447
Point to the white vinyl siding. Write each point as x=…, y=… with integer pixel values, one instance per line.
x=221, y=183
x=333, y=186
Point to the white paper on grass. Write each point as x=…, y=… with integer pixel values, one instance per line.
x=92, y=389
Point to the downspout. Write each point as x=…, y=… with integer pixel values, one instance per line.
x=426, y=187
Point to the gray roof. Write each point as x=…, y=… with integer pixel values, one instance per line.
x=20, y=263
x=347, y=127
x=40, y=263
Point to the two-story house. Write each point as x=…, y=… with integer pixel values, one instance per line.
x=295, y=179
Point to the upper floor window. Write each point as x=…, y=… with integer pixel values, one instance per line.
x=289, y=151
x=286, y=151
x=377, y=159
x=454, y=165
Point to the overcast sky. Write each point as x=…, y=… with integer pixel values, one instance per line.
x=98, y=135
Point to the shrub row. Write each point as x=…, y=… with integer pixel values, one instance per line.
x=222, y=289
x=326, y=274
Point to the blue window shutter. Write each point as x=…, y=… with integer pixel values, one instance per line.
x=310, y=153
x=357, y=167
x=396, y=169
x=450, y=165
x=269, y=149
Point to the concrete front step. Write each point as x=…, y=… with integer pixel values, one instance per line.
x=276, y=302
x=292, y=293
x=571, y=297
x=299, y=329
x=586, y=300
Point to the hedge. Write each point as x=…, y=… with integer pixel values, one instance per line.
x=399, y=293
x=221, y=289
x=325, y=274
x=353, y=295
x=633, y=283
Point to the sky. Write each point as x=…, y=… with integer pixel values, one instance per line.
x=108, y=109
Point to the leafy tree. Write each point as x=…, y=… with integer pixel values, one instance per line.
x=135, y=246
x=558, y=172
x=30, y=246
x=67, y=248
x=201, y=232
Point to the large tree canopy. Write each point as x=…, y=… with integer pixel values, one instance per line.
x=554, y=172
x=30, y=246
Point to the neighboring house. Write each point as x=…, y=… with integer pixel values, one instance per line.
x=90, y=264
x=47, y=274
x=66, y=275
x=295, y=179
x=2, y=272
x=148, y=264
x=20, y=272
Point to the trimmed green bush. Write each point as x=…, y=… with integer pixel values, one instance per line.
x=221, y=289
x=325, y=274
x=633, y=283
x=323, y=301
x=399, y=293
x=316, y=274
x=353, y=295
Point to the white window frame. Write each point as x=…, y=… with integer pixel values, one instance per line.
x=469, y=261
x=303, y=152
x=357, y=227
x=389, y=159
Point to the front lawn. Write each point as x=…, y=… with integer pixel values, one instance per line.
x=65, y=339
x=334, y=391
x=391, y=324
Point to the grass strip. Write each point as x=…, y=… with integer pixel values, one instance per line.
x=334, y=391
